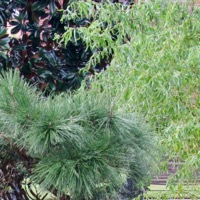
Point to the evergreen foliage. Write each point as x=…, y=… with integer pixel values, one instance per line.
x=82, y=145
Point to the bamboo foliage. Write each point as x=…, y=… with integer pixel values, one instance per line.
x=154, y=69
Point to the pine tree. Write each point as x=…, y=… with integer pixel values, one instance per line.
x=80, y=144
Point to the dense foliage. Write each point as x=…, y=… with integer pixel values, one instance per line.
x=32, y=49
x=54, y=67
x=81, y=144
x=154, y=70
x=154, y=48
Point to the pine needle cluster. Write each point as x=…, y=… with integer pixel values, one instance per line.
x=83, y=143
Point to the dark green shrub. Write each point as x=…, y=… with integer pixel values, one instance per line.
x=33, y=51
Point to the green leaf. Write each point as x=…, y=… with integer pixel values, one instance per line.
x=52, y=6
x=16, y=29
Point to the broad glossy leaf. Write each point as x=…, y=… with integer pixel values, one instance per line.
x=39, y=5
x=52, y=6
x=2, y=54
x=4, y=40
x=3, y=31
x=14, y=23
x=16, y=29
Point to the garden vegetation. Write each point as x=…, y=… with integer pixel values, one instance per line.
x=86, y=144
